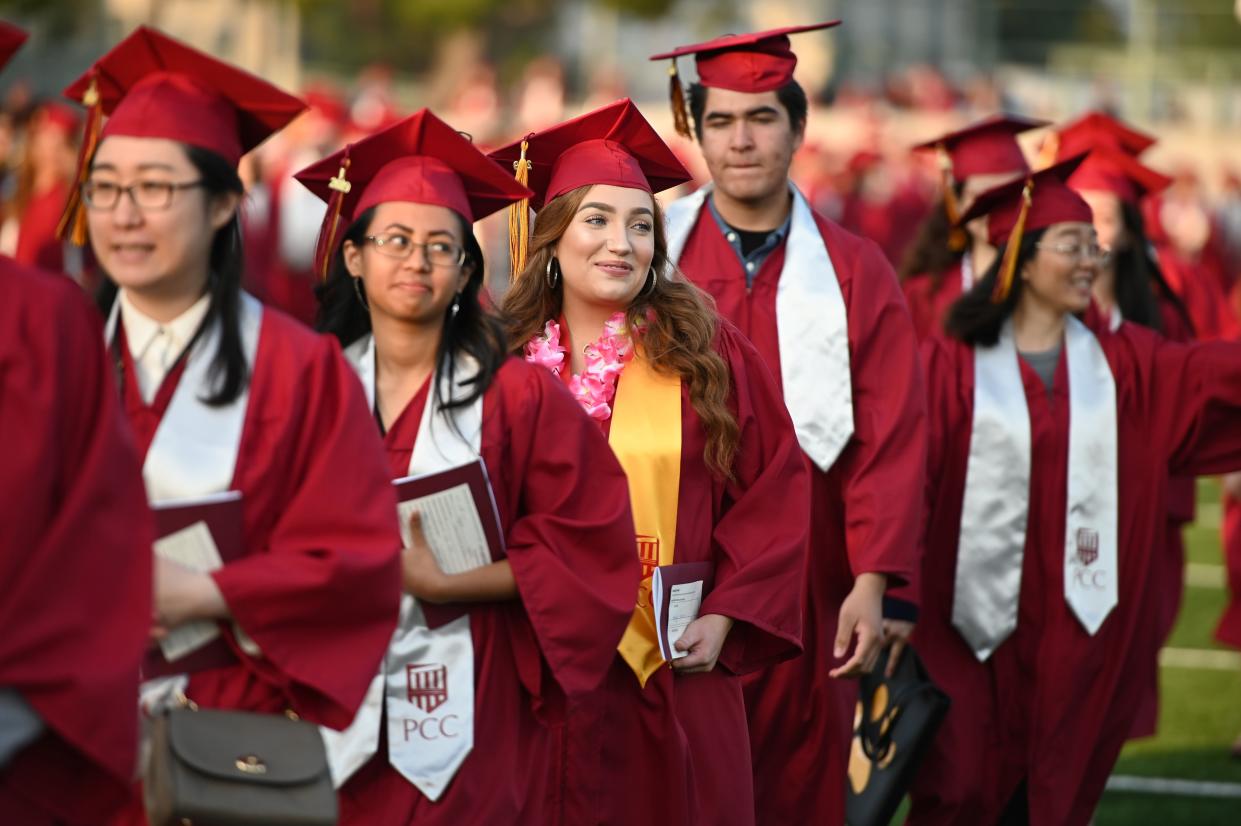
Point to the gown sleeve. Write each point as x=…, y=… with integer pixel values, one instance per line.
x=75, y=558
x=571, y=547
x=882, y=469
x=760, y=539
x=321, y=597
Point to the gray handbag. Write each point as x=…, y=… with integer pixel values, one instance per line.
x=235, y=768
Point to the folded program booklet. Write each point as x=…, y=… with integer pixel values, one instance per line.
x=677, y=592
x=202, y=534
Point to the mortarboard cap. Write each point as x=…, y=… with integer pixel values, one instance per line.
x=612, y=145
x=1107, y=169
x=152, y=86
x=11, y=39
x=1036, y=201
x=752, y=63
x=419, y=159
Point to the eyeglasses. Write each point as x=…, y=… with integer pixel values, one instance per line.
x=401, y=247
x=151, y=195
x=1090, y=253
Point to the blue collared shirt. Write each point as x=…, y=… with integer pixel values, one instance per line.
x=753, y=262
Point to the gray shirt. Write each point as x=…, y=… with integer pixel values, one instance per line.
x=19, y=724
x=1045, y=363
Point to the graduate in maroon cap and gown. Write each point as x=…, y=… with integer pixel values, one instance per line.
x=542, y=621
x=714, y=472
x=945, y=257
x=825, y=311
x=1130, y=288
x=224, y=395
x=1047, y=495
x=75, y=560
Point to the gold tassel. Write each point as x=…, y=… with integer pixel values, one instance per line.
x=1008, y=267
x=957, y=238
x=680, y=114
x=340, y=187
x=519, y=218
x=72, y=224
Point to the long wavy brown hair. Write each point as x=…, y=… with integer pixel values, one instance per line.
x=680, y=324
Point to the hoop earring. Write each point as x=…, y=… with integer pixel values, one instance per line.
x=647, y=291
x=357, y=290
x=550, y=278
x=456, y=306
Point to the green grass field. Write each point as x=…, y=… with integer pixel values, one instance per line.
x=1200, y=712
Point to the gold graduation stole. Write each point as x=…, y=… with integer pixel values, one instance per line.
x=646, y=438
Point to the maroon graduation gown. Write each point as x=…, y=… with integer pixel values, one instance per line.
x=677, y=750
x=318, y=588
x=75, y=558
x=861, y=519
x=930, y=297
x=564, y=507
x=1053, y=705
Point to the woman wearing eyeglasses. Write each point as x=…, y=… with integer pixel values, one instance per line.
x=224, y=395
x=508, y=641
x=1048, y=482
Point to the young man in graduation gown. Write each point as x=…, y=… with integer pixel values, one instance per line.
x=225, y=395
x=946, y=258
x=824, y=309
x=75, y=556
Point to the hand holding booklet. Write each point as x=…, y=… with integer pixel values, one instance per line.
x=677, y=592
x=201, y=534
x=459, y=516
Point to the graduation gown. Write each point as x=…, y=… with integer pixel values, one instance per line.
x=564, y=509
x=860, y=518
x=1229, y=629
x=75, y=560
x=318, y=586
x=1168, y=580
x=677, y=750
x=929, y=298
x=1053, y=705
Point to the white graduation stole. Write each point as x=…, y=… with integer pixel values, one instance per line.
x=995, y=508
x=195, y=447
x=811, y=324
x=194, y=451
x=426, y=681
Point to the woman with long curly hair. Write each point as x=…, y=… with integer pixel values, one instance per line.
x=715, y=473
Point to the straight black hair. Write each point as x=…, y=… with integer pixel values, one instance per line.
x=1139, y=283
x=471, y=330
x=228, y=372
x=974, y=318
x=791, y=96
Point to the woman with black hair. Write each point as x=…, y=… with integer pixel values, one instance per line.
x=945, y=258
x=226, y=396
x=513, y=637
x=1051, y=446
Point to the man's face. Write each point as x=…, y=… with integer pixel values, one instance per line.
x=748, y=143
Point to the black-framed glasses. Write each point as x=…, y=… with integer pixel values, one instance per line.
x=1091, y=252
x=401, y=247
x=145, y=194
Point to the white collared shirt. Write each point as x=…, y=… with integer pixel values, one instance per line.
x=155, y=346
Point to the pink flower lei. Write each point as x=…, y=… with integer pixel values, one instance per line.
x=595, y=388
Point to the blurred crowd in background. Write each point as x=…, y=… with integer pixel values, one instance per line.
x=856, y=165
